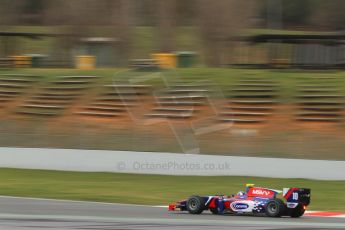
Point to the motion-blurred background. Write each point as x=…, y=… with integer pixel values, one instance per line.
x=252, y=78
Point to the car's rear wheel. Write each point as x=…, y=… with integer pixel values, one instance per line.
x=275, y=208
x=195, y=205
x=298, y=211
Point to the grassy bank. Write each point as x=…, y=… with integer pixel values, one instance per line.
x=223, y=78
x=151, y=189
x=280, y=136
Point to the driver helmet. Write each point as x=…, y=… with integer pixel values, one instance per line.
x=240, y=193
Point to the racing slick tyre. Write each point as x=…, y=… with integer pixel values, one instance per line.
x=275, y=208
x=297, y=212
x=214, y=211
x=195, y=205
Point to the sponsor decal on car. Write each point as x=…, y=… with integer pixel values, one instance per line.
x=260, y=192
x=241, y=206
x=291, y=205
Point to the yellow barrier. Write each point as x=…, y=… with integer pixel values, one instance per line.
x=85, y=62
x=21, y=61
x=165, y=60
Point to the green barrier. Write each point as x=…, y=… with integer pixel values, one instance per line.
x=186, y=59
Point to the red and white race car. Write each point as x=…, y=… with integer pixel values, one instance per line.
x=255, y=200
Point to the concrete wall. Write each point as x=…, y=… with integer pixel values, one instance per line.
x=168, y=163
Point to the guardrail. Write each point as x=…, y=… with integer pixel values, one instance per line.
x=168, y=163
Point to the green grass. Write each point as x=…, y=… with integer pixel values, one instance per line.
x=287, y=80
x=47, y=73
x=151, y=189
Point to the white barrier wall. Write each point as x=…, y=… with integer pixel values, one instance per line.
x=168, y=163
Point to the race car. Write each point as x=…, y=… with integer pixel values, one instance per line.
x=255, y=200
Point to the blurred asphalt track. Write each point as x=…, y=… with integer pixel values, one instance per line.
x=31, y=213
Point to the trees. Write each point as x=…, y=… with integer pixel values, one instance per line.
x=218, y=20
x=121, y=23
x=9, y=11
x=166, y=23
x=327, y=15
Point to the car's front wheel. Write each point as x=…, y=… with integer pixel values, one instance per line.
x=275, y=208
x=195, y=205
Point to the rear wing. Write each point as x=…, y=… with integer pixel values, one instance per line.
x=295, y=196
